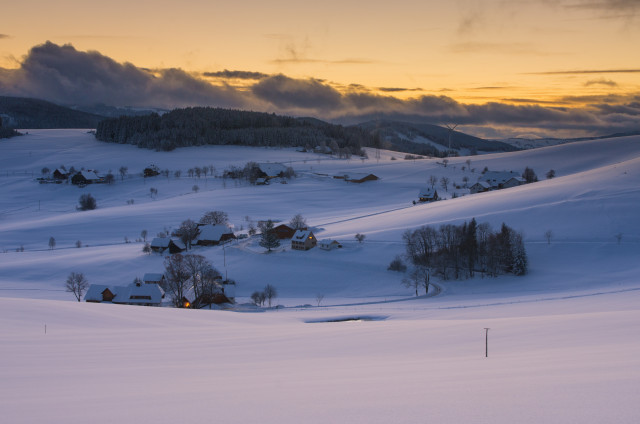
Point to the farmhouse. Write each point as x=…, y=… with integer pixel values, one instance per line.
x=283, y=231
x=86, y=177
x=160, y=244
x=60, y=174
x=514, y=182
x=303, y=240
x=497, y=179
x=356, y=177
x=151, y=171
x=428, y=195
x=136, y=293
x=214, y=234
x=328, y=244
x=479, y=187
x=271, y=170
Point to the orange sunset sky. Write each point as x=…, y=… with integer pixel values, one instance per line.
x=547, y=54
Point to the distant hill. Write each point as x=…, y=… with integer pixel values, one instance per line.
x=21, y=112
x=429, y=139
x=534, y=143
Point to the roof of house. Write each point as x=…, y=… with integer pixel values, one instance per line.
x=302, y=235
x=153, y=276
x=148, y=293
x=327, y=242
x=272, y=169
x=213, y=232
x=354, y=176
x=483, y=184
x=498, y=177
x=427, y=192
x=89, y=175
x=160, y=242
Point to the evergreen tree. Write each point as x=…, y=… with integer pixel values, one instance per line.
x=269, y=240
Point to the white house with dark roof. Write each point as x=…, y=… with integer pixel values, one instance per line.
x=329, y=244
x=479, y=187
x=160, y=244
x=303, y=240
x=497, y=179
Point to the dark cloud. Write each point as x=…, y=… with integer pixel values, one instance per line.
x=397, y=89
x=601, y=81
x=65, y=75
x=288, y=93
x=245, y=75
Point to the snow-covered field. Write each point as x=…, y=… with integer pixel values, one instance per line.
x=563, y=340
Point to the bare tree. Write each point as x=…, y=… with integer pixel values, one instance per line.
x=202, y=275
x=147, y=248
x=270, y=293
x=444, y=182
x=78, y=244
x=123, y=172
x=109, y=178
x=298, y=222
x=319, y=298
x=550, y=174
x=77, y=284
x=547, y=235
x=52, y=243
x=45, y=171
x=143, y=234
x=177, y=174
x=417, y=278
x=176, y=278
x=214, y=218
x=187, y=232
x=433, y=180
x=195, y=188
x=87, y=202
x=153, y=192
x=360, y=237
x=258, y=298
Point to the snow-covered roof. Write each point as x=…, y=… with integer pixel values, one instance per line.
x=153, y=276
x=179, y=244
x=213, y=232
x=483, y=184
x=131, y=294
x=94, y=292
x=498, y=177
x=329, y=242
x=427, y=192
x=89, y=175
x=302, y=235
x=160, y=242
x=272, y=169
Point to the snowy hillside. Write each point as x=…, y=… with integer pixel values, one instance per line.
x=562, y=344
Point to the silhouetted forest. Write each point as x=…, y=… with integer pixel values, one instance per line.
x=199, y=126
x=20, y=112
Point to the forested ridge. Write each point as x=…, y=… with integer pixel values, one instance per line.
x=204, y=125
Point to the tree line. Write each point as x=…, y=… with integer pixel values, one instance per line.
x=460, y=251
x=204, y=125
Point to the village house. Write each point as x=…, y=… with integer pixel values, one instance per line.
x=271, y=170
x=497, y=179
x=479, y=187
x=303, y=240
x=160, y=244
x=329, y=244
x=283, y=231
x=213, y=234
x=60, y=175
x=136, y=293
x=356, y=177
x=428, y=195
x=514, y=182
x=86, y=177
x=151, y=171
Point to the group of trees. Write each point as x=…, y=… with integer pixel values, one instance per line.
x=204, y=125
x=460, y=251
x=251, y=172
x=266, y=295
x=185, y=274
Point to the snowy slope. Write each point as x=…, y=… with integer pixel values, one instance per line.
x=562, y=345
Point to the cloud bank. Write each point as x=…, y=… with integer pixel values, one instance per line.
x=64, y=75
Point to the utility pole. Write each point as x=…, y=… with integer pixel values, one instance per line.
x=486, y=342
x=451, y=128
